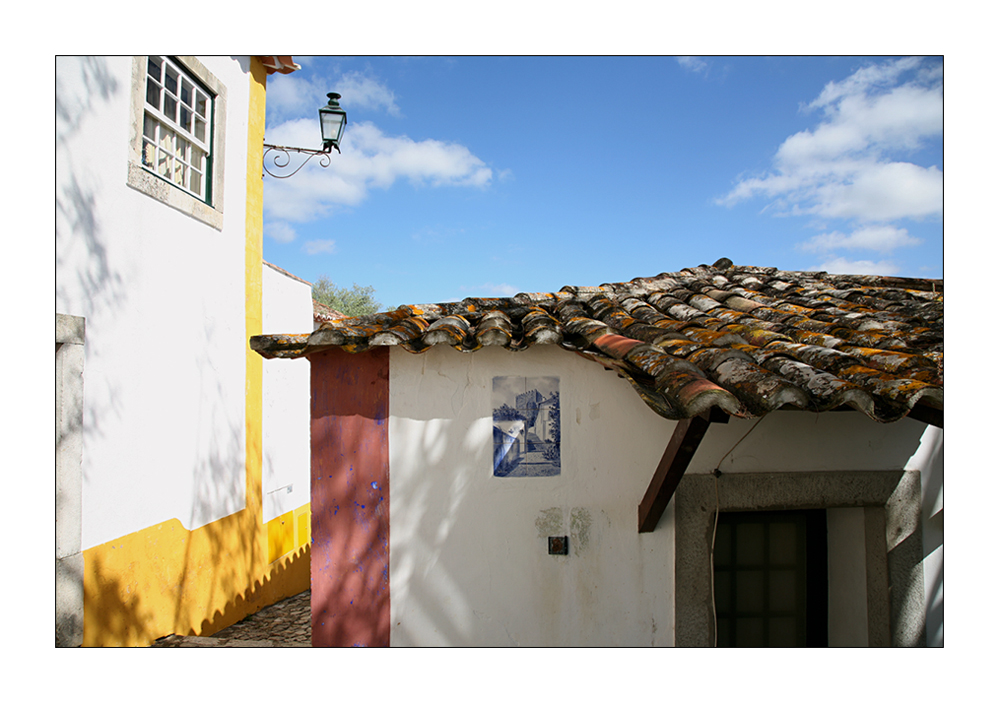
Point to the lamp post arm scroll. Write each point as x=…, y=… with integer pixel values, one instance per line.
x=332, y=120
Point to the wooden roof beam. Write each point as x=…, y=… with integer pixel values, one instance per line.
x=929, y=415
x=676, y=458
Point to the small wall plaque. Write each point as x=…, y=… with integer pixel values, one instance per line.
x=558, y=545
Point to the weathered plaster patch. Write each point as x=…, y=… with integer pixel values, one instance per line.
x=550, y=522
x=579, y=528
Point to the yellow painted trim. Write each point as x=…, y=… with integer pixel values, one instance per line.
x=280, y=536
x=254, y=296
x=166, y=579
x=303, y=527
x=287, y=532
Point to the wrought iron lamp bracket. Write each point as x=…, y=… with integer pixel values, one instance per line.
x=282, y=157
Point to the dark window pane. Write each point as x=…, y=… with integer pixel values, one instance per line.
x=723, y=633
x=749, y=544
x=781, y=632
x=749, y=632
x=782, y=591
x=770, y=578
x=723, y=591
x=782, y=543
x=170, y=107
x=170, y=81
x=148, y=154
x=749, y=591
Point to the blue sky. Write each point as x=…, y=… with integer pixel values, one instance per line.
x=487, y=176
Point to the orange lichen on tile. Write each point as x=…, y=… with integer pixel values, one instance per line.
x=747, y=339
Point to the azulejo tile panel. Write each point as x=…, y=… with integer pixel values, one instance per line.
x=526, y=426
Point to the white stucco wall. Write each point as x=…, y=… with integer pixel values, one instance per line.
x=468, y=554
x=469, y=560
x=164, y=299
x=287, y=308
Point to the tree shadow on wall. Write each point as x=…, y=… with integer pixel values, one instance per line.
x=189, y=582
x=119, y=611
x=72, y=107
x=437, y=593
x=350, y=503
x=287, y=571
x=87, y=283
x=226, y=559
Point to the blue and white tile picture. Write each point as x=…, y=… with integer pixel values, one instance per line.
x=526, y=431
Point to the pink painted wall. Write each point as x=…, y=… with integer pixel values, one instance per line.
x=350, y=498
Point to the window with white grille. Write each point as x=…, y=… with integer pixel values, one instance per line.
x=177, y=127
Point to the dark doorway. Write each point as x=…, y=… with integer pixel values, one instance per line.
x=771, y=579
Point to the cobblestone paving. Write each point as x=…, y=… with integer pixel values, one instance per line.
x=285, y=624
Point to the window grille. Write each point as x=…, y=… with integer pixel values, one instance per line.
x=177, y=127
x=771, y=579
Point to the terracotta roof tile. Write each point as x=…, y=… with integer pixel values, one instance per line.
x=279, y=64
x=324, y=313
x=746, y=339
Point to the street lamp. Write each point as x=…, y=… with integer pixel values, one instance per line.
x=332, y=120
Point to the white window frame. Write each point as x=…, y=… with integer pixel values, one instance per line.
x=177, y=127
x=147, y=158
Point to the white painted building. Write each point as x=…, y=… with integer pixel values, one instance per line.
x=744, y=456
x=158, y=284
x=469, y=563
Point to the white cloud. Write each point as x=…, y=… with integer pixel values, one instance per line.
x=362, y=91
x=294, y=96
x=328, y=246
x=299, y=95
x=874, y=238
x=693, y=64
x=885, y=192
x=863, y=79
x=370, y=159
x=846, y=267
x=279, y=231
x=853, y=164
x=850, y=166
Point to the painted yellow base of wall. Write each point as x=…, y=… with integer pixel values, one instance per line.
x=168, y=580
x=287, y=532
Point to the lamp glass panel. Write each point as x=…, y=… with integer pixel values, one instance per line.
x=331, y=124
